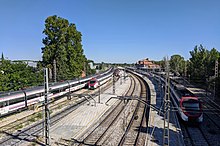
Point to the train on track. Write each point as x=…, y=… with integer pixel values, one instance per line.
x=188, y=106
x=93, y=83
x=14, y=101
x=116, y=73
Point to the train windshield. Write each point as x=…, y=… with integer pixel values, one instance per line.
x=92, y=81
x=190, y=105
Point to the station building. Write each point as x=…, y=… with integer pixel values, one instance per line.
x=146, y=64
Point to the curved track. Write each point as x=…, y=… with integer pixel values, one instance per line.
x=124, y=125
x=136, y=125
x=95, y=136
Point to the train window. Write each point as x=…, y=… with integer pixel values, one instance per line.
x=2, y=104
x=13, y=101
x=185, y=93
x=34, y=95
x=191, y=105
x=92, y=81
x=58, y=90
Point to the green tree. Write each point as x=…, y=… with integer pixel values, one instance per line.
x=161, y=63
x=202, y=67
x=213, y=55
x=177, y=64
x=198, y=63
x=3, y=58
x=15, y=76
x=63, y=45
x=90, y=71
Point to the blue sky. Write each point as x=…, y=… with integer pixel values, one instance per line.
x=113, y=30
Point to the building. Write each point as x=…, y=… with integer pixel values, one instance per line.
x=146, y=64
x=28, y=62
x=92, y=66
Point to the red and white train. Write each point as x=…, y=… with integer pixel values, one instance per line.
x=93, y=83
x=14, y=101
x=188, y=106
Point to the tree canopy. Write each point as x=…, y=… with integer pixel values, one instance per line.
x=15, y=76
x=202, y=62
x=62, y=44
x=177, y=64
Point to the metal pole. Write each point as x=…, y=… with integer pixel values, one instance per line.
x=68, y=96
x=54, y=70
x=166, y=134
x=160, y=87
x=185, y=73
x=99, y=92
x=216, y=75
x=46, y=108
x=124, y=74
x=25, y=98
x=113, y=89
x=84, y=65
x=124, y=119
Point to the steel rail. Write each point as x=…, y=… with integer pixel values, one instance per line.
x=97, y=133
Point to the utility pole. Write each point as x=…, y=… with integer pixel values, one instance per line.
x=216, y=75
x=124, y=74
x=113, y=88
x=84, y=66
x=166, y=134
x=120, y=80
x=46, y=108
x=99, y=91
x=185, y=70
x=124, y=119
x=160, y=86
x=54, y=71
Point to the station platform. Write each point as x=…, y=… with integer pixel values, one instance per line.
x=156, y=122
x=77, y=122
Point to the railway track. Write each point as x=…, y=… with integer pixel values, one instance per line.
x=132, y=134
x=30, y=119
x=114, y=125
x=95, y=135
x=206, y=133
x=211, y=126
x=31, y=132
x=196, y=136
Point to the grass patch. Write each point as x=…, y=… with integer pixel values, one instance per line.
x=39, y=115
x=32, y=119
x=32, y=144
x=19, y=126
x=60, y=106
